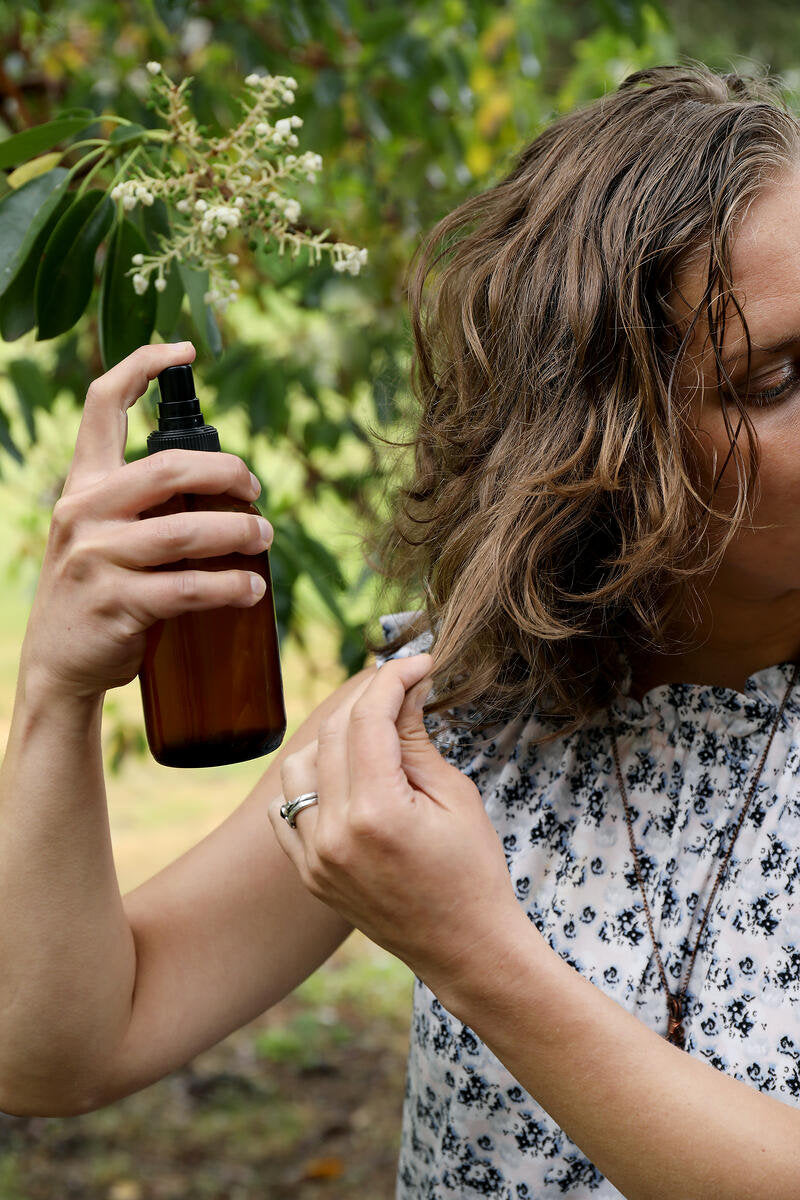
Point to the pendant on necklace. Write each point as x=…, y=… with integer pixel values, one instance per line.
x=675, y=1032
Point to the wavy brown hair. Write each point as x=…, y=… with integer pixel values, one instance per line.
x=554, y=518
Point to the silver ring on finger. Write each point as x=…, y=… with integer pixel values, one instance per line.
x=290, y=808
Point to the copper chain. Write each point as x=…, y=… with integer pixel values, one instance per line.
x=675, y=1002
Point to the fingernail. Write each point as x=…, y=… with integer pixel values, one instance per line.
x=258, y=585
x=256, y=484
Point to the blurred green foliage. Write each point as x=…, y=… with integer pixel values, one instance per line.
x=413, y=106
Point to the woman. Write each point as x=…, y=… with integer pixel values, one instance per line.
x=593, y=872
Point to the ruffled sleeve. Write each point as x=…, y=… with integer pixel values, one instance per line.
x=392, y=624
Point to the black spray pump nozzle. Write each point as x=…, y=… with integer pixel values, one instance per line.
x=179, y=407
x=180, y=421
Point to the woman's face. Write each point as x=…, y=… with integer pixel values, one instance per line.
x=759, y=564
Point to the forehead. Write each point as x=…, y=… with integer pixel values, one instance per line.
x=765, y=265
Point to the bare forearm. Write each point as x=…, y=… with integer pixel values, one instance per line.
x=657, y=1122
x=67, y=952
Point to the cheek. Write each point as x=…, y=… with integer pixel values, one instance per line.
x=776, y=496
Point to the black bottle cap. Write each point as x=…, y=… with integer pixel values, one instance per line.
x=180, y=421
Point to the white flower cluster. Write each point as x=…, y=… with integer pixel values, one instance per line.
x=308, y=162
x=220, y=196
x=289, y=207
x=281, y=133
x=219, y=217
x=284, y=85
x=130, y=192
x=214, y=295
x=353, y=261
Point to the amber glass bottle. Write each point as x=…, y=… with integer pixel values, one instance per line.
x=212, y=690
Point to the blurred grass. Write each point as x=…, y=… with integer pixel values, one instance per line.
x=306, y=1100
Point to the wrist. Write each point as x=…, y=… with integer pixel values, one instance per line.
x=39, y=693
x=500, y=971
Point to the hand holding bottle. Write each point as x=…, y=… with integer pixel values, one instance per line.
x=96, y=597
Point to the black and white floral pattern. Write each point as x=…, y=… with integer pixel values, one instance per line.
x=688, y=753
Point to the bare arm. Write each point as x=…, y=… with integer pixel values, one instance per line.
x=79, y=964
x=65, y=944
x=222, y=933
x=110, y=994
x=658, y=1122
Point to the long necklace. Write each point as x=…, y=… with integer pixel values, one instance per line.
x=675, y=1002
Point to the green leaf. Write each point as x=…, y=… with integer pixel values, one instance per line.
x=126, y=318
x=17, y=311
x=66, y=275
x=321, y=431
x=23, y=212
x=195, y=285
x=21, y=146
x=127, y=133
x=157, y=229
x=264, y=392
x=6, y=439
x=315, y=560
x=168, y=305
x=284, y=573
x=34, y=390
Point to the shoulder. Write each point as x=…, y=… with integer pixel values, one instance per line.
x=392, y=625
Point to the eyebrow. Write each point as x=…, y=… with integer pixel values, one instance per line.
x=773, y=348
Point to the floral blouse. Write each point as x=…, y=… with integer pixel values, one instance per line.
x=688, y=752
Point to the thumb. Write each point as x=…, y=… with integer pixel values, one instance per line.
x=421, y=761
x=103, y=429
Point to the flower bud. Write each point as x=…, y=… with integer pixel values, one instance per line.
x=200, y=206
x=233, y=259
x=183, y=206
x=262, y=128
x=137, y=260
x=154, y=67
x=160, y=284
x=252, y=79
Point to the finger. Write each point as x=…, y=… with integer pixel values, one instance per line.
x=332, y=762
x=184, y=535
x=100, y=444
x=298, y=777
x=373, y=742
x=287, y=837
x=137, y=486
